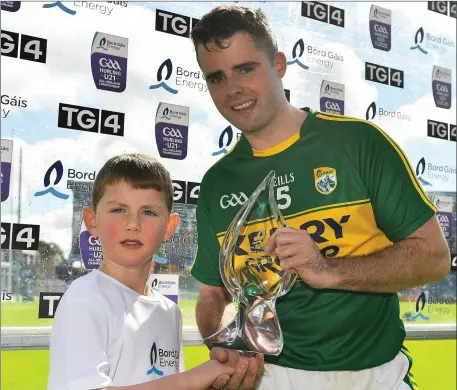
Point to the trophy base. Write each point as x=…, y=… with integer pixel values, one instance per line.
x=255, y=329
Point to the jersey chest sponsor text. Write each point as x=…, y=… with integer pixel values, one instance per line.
x=348, y=229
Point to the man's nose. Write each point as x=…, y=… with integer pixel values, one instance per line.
x=234, y=87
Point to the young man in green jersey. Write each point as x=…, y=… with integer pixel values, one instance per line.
x=360, y=229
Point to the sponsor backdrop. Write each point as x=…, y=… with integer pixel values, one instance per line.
x=84, y=81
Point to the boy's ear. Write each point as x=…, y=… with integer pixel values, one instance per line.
x=90, y=220
x=172, y=225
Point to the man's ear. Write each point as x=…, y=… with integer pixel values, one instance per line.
x=172, y=225
x=90, y=220
x=280, y=64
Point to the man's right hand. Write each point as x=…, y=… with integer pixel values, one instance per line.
x=248, y=370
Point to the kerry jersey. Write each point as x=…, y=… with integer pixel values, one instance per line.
x=352, y=188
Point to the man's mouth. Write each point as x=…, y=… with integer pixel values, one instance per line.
x=244, y=106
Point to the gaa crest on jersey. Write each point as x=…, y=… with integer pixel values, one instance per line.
x=325, y=180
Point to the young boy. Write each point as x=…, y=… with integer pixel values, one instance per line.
x=110, y=330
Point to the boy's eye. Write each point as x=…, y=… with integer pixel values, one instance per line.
x=117, y=210
x=149, y=212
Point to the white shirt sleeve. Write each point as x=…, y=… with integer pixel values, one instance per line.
x=79, y=338
x=182, y=364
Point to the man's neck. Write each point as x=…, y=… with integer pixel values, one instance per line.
x=285, y=125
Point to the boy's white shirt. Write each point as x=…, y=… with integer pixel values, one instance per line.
x=105, y=334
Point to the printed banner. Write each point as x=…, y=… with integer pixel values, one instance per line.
x=332, y=97
x=6, y=158
x=443, y=203
x=109, y=62
x=444, y=213
x=441, y=84
x=10, y=6
x=380, y=27
x=167, y=285
x=171, y=130
x=445, y=220
x=91, y=250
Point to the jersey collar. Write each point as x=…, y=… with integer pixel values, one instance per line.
x=288, y=142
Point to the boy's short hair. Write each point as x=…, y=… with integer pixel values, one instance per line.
x=224, y=21
x=139, y=171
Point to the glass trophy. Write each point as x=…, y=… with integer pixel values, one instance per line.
x=254, y=279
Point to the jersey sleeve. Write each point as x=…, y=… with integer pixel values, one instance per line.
x=206, y=264
x=79, y=337
x=399, y=202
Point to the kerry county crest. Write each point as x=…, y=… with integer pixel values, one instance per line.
x=325, y=180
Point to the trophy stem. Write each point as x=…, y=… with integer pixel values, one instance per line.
x=255, y=328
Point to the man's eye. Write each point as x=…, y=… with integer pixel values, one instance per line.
x=216, y=79
x=247, y=70
x=117, y=210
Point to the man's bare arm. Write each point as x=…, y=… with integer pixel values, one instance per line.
x=210, y=308
x=421, y=258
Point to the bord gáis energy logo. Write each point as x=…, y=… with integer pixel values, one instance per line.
x=225, y=141
x=60, y=5
x=153, y=357
x=168, y=66
x=420, y=170
x=299, y=45
x=420, y=304
x=57, y=167
x=418, y=39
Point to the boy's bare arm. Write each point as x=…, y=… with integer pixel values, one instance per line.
x=202, y=377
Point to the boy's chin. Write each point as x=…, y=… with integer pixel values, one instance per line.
x=133, y=262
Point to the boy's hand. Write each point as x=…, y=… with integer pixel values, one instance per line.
x=248, y=369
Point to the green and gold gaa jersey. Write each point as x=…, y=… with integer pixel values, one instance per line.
x=352, y=188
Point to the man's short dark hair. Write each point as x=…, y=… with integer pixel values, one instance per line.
x=224, y=21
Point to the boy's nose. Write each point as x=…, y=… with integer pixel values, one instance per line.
x=133, y=223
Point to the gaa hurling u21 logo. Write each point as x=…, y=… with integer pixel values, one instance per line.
x=442, y=87
x=109, y=62
x=332, y=97
x=172, y=130
x=380, y=24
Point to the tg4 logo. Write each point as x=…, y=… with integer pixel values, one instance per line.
x=21, y=236
x=185, y=192
x=384, y=75
x=26, y=47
